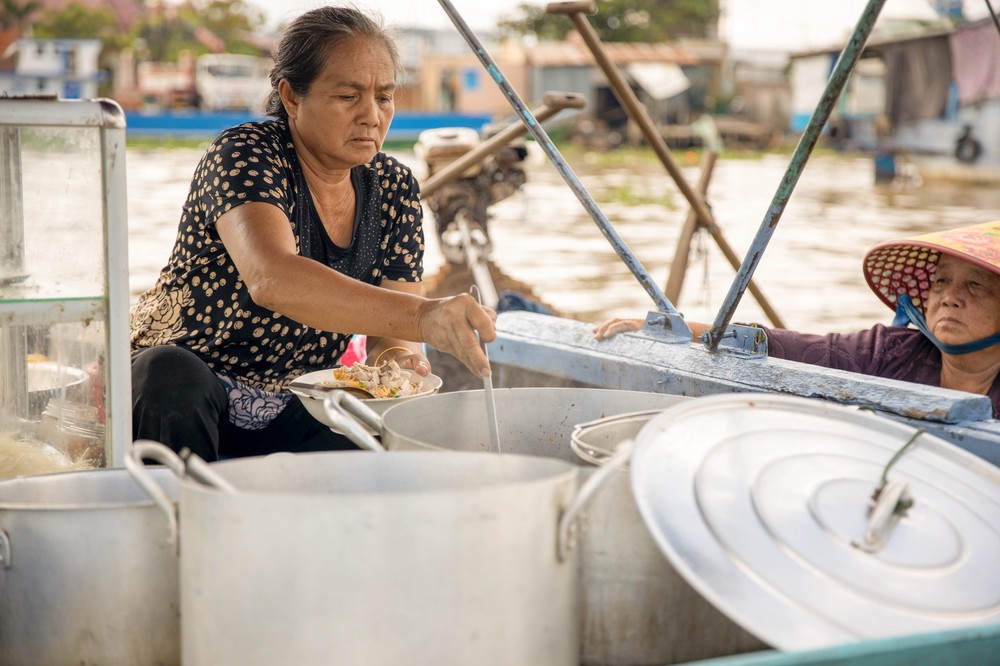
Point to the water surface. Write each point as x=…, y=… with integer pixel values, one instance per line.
x=810, y=272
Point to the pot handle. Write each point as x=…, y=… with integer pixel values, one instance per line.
x=568, y=521
x=187, y=465
x=350, y=415
x=155, y=451
x=596, y=455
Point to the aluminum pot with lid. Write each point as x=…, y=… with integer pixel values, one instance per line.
x=636, y=609
x=86, y=573
x=813, y=524
x=354, y=558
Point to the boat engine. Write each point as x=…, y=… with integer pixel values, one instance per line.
x=468, y=196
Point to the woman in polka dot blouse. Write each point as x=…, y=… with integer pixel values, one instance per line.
x=297, y=233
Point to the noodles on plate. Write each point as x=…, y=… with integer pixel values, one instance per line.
x=384, y=381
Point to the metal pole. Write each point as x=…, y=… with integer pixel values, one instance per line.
x=476, y=260
x=638, y=113
x=993, y=15
x=13, y=337
x=640, y=273
x=845, y=64
x=552, y=104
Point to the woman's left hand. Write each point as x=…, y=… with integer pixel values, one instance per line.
x=414, y=361
x=405, y=358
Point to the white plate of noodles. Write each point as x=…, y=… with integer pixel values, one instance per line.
x=390, y=384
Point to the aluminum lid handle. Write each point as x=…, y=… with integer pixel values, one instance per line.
x=892, y=502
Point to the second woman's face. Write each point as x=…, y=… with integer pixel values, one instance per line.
x=344, y=117
x=964, y=302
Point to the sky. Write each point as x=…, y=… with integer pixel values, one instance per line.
x=788, y=25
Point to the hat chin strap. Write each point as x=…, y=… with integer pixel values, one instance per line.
x=907, y=312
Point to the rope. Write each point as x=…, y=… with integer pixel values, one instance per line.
x=897, y=455
x=905, y=501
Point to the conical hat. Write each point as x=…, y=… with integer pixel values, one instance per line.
x=908, y=265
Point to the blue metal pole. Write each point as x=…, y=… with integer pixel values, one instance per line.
x=663, y=304
x=845, y=64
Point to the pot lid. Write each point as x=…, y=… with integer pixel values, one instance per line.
x=764, y=504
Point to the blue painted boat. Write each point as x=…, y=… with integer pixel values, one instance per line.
x=406, y=125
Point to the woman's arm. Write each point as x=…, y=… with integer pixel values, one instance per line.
x=259, y=240
x=385, y=349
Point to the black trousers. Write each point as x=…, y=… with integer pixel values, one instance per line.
x=178, y=401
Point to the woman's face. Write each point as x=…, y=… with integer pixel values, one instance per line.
x=964, y=302
x=343, y=119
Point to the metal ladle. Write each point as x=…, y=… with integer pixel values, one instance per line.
x=491, y=407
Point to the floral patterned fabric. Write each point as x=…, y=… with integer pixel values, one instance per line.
x=200, y=302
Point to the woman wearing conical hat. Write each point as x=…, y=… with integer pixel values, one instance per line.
x=945, y=290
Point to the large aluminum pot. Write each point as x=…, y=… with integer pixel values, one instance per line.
x=354, y=558
x=636, y=609
x=86, y=573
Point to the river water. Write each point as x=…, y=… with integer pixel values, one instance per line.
x=810, y=272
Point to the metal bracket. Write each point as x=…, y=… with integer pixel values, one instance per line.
x=670, y=327
x=742, y=340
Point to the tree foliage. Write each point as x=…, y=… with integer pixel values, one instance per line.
x=230, y=20
x=76, y=20
x=649, y=21
x=198, y=26
x=17, y=13
x=187, y=26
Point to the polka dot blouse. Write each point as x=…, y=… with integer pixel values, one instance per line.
x=200, y=302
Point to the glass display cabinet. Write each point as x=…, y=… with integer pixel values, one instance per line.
x=64, y=348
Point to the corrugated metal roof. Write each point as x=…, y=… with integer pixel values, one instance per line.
x=890, y=35
x=574, y=53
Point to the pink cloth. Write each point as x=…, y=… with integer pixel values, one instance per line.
x=356, y=352
x=975, y=54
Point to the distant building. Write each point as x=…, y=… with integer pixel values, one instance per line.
x=440, y=74
x=935, y=91
x=232, y=81
x=65, y=68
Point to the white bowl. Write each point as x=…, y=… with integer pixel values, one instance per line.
x=428, y=385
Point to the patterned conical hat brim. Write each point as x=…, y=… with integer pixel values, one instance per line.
x=908, y=265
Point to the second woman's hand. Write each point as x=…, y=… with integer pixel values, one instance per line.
x=612, y=327
x=451, y=325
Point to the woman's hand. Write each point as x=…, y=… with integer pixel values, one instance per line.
x=405, y=358
x=612, y=327
x=451, y=325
